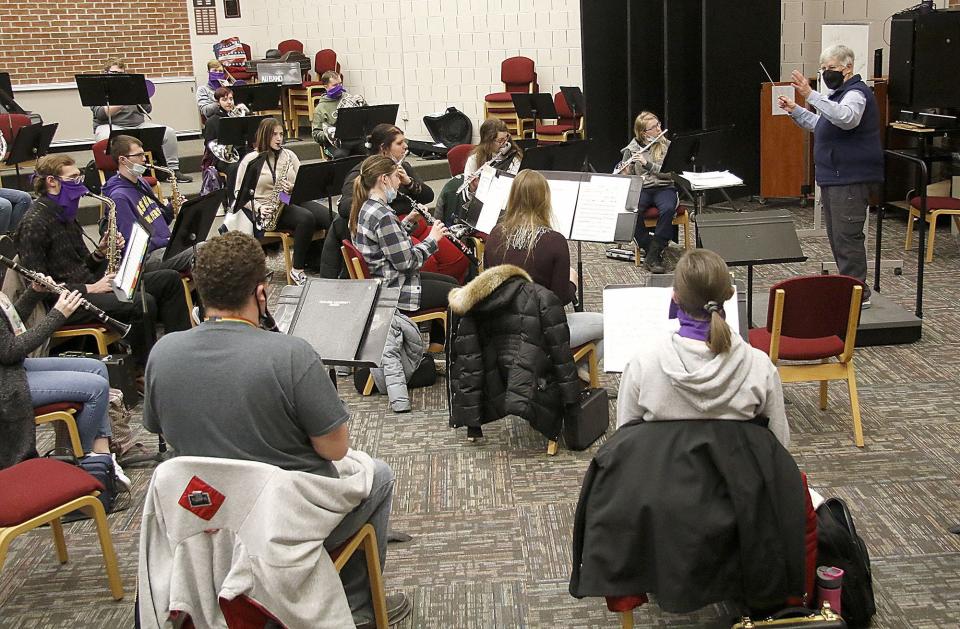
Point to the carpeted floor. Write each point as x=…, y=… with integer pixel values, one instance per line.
x=491, y=523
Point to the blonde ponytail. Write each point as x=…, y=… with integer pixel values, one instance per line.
x=702, y=284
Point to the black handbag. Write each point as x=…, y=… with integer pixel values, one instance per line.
x=589, y=422
x=796, y=618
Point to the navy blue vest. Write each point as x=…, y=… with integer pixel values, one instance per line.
x=854, y=156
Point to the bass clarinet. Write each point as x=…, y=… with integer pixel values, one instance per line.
x=119, y=327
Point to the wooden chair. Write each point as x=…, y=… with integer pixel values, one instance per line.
x=103, y=336
x=818, y=323
x=936, y=206
x=285, y=236
x=62, y=412
x=40, y=491
x=567, y=126
x=681, y=219
x=586, y=350
x=518, y=76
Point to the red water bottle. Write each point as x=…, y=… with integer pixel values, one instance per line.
x=829, y=586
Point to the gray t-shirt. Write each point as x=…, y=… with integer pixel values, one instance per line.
x=226, y=389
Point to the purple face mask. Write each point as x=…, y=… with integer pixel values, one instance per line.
x=216, y=77
x=69, y=199
x=335, y=91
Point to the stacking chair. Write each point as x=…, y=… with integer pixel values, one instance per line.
x=302, y=101
x=457, y=158
x=936, y=206
x=814, y=318
x=40, y=491
x=518, y=76
x=588, y=350
x=567, y=126
x=682, y=218
x=288, y=45
x=285, y=236
x=102, y=335
x=107, y=166
x=62, y=412
x=10, y=125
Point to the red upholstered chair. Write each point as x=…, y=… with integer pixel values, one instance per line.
x=518, y=76
x=457, y=158
x=107, y=166
x=567, y=126
x=948, y=206
x=303, y=100
x=288, y=45
x=814, y=318
x=10, y=125
x=681, y=218
x=62, y=412
x=103, y=336
x=40, y=491
x=324, y=60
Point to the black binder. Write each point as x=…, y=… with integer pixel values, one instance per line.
x=334, y=316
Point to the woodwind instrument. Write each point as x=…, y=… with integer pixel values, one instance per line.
x=119, y=327
x=176, y=199
x=622, y=166
x=269, y=213
x=429, y=218
x=504, y=152
x=113, y=254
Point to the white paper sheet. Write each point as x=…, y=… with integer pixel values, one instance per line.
x=600, y=201
x=487, y=175
x=125, y=283
x=497, y=193
x=563, y=199
x=711, y=180
x=787, y=91
x=632, y=316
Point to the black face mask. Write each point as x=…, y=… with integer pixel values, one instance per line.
x=832, y=78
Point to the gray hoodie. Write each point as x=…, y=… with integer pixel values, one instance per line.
x=673, y=377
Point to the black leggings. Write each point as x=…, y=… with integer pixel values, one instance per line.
x=304, y=220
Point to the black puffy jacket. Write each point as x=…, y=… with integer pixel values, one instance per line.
x=509, y=353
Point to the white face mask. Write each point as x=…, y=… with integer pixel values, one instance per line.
x=135, y=169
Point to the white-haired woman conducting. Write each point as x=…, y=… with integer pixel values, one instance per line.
x=847, y=154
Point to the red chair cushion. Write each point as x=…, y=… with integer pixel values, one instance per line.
x=937, y=203
x=653, y=212
x=499, y=97
x=457, y=158
x=792, y=348
x=36, y=486
x=10, y=125
x=352, y=249
x=56, y=407
x=553, y=129
x=102, y=158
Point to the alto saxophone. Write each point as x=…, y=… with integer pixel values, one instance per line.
x=176, y=199
x=113, y=250
x=269, y=213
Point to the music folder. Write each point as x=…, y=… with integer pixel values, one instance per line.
x=334, y=316
x=131, y=265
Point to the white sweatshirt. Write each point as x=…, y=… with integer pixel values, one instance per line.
x=673, y=377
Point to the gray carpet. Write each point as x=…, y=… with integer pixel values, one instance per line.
x=492, y=522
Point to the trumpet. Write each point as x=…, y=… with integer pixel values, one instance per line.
x=113, y=250
x=119, y=327
x=176, y=199
x=622, y=166
x=429, y=218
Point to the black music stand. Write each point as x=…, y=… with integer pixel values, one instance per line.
x=575, y=100
x=356, y=123
x=697, y=151
x=239, y=131
x=258, y=96
x=565, y=156
x=322, y=179
x=194, y=222
x=32, y=142
x=150, y=137
x=765, y=237
x=7, y=103
x=533, y=107
x=107, y=90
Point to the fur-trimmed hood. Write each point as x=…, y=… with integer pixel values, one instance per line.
x=475, y=293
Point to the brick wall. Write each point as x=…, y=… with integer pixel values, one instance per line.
x=49, y=42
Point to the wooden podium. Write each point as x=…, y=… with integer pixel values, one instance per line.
x=785, y=164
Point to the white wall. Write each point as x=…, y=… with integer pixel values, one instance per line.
x=426, y=55
x=802, y=20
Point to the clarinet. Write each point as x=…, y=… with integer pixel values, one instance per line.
x=119, y=327
x=429, y=218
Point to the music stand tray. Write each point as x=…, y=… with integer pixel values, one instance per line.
x=194, y=222
x=324, y=179
x=534, y=106
x=575, y=100
x=150, y=137
x=97, y=90
x=748, y=239
x=239, y=131
x=700, y=150
x=566, y=156
x=257, y=96
x=356, y=123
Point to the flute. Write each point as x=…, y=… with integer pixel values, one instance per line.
x=119, y=327
x=619, y=168
x=500, y=155
x=430, y=219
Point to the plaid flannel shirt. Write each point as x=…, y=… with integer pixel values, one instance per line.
x=390, y=253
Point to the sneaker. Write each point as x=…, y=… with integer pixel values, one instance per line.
x=181, y=178
x=865, y=304
x=398, y=608
x=118, y=472
x=299, y=277
x=474, y=433
x=195, y=315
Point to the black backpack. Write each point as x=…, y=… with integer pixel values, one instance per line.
x=839, y=545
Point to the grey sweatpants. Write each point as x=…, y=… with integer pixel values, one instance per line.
x=844, y=213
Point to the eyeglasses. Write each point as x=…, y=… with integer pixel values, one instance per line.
x=656, y=125
x=266, y=278
x=78, y=178
x=833, y=67
x=133, y=155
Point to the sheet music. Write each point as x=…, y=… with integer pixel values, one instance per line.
x=600, y=201
x=487, y=175
x=776, y=91
x=634, y=315
x=712, y=179
x=563, y=198
x=125, y=283
x=497, y=194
